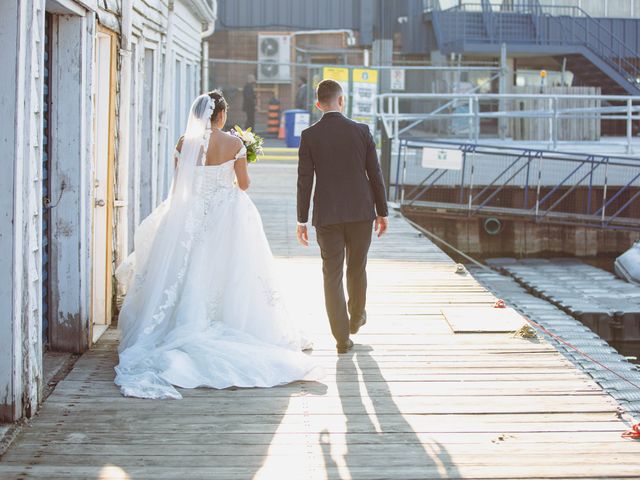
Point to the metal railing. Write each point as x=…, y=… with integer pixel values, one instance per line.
x=508, y=182
x=471, y=108
x=529, y=22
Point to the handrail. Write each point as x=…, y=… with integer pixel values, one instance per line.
x=496, y=96
x=588, y=34
x=620, y=56
x=388, y=111
x=548, y=154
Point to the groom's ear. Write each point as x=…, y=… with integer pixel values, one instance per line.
x=318, y=106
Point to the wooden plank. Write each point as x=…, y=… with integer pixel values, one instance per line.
x=413, y=401
x=434, y=468
x=483, y=319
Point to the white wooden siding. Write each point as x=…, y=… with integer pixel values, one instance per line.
x=71, y=169
x=21, y=27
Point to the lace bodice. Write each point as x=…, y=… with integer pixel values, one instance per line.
x=210, y=178
x=213, y=177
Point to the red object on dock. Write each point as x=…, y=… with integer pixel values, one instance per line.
x=500, y=304
x=633, y=432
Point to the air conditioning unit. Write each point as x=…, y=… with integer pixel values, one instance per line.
x=274, y=56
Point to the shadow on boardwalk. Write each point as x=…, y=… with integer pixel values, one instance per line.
x=378, y=451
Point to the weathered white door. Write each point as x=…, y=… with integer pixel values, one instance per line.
x=102, y=204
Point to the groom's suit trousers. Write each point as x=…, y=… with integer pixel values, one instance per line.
x=350, y=240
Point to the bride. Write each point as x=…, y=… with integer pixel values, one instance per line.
x=202, y=308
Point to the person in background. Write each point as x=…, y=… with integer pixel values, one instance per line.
x=301, y=94
x=249, y=101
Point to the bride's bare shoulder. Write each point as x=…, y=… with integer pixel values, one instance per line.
x=232, y=138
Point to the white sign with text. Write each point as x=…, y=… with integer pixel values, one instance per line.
x=397, y=79
x=300, y=123
x=441, y=158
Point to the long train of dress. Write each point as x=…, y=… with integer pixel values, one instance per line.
x=223, y=322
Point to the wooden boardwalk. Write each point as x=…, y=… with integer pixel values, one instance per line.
x=413, y=401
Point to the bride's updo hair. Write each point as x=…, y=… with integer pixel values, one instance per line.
x=220, y=104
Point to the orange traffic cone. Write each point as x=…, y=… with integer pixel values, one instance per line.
x=281, y=129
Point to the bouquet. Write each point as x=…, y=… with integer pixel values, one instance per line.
x=252, y=142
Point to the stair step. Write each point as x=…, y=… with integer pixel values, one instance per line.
x=280, y=150
x=280, y=154
x=278, y=158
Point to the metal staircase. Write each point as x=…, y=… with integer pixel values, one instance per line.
x=595, y=55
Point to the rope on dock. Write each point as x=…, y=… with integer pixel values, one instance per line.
x=634, y=431
x=447, y=244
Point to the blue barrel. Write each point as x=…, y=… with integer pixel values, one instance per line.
x=294, y=122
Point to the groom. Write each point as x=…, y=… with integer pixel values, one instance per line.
x=349, y=196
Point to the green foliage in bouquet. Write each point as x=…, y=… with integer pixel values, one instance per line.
x=252, y=142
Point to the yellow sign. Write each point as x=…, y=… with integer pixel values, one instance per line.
x=336, y=73
x=365, y=75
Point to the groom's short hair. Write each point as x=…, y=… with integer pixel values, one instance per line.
x=328, y=91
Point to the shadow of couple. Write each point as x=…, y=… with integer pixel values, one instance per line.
x=377, y=441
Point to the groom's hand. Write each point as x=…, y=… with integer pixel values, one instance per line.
x=381, y=225
x=303, y=235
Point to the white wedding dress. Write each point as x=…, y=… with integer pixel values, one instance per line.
x=205, y=311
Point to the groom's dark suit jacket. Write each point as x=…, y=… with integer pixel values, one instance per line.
x=349, y=184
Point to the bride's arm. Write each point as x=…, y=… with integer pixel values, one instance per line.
x=242, y=173
x=178, y=149
x=240, y=166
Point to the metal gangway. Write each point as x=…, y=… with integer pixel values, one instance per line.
x=467, y=179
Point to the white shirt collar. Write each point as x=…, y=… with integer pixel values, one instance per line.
x=332, y=111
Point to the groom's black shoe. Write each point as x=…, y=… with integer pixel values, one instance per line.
x=358, y=322
x=345, y=347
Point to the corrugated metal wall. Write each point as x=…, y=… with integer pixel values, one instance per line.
x=289, y=14
x=358, y=15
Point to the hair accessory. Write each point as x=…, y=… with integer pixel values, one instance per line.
x=211, y=106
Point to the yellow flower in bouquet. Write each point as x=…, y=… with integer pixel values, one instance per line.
x=252, y=142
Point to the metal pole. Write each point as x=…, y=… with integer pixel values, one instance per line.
x=396, y=123
x=397, y=184
x=549, y=112
x=390, y=110
x=433, y=68
x=404, y=177
x=554, y=123
x=470, y=100
x=502, y=88
x=464, y=166
x=477, y=118
x=538, y=187
x=473, y=157
x=604, y=190
x=629, y=125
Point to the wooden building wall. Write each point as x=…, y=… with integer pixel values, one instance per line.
x=21, y=27
x=160, y=36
